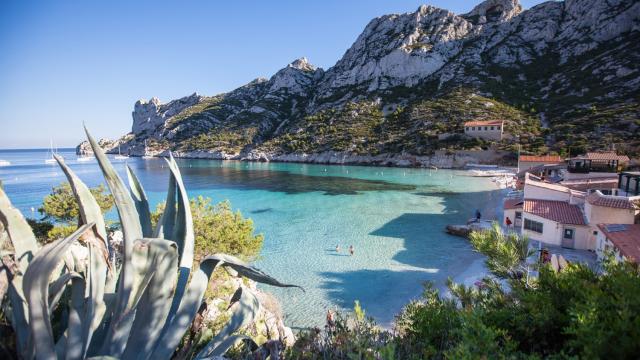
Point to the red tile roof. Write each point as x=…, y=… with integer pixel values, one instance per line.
x=483, y=123
x=606, y=155
x=558, y=211
x=627, y=241
x=617, y=202
x=513, y=203
x=543, y=158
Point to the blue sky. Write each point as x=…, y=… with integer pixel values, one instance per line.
x=67, y=62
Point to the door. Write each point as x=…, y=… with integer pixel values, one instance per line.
x=518, y=220
x=568, y=238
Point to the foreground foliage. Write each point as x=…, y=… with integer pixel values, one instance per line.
x=137, y=308
x=575, y=313
x=60, y=212
x=218, y=229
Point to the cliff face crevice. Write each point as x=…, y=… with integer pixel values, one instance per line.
x=574, y=63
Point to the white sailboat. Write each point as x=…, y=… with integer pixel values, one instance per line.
x=5, y=162
x=85, y=158
x=120, y=156
x=50, y=159
x=145, y=156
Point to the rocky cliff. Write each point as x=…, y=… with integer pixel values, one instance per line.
x=563, y=75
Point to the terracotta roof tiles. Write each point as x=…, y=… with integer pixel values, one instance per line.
x=618, y=202
x=626, y=239
x=543, y=158
x=558, y=211
x=483, y=123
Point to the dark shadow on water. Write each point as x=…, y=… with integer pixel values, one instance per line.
x=207, y=177
x=260, y=211
x=429, y=255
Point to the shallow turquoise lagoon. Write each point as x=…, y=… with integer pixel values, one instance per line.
x=393, y=217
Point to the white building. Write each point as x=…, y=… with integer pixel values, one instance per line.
x=555, y=222
x=489, y=130
x=623, y=240
x=610, y=209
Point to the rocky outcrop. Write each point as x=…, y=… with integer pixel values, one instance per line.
x=84, y=148
x=149, y=115
x=561, y=61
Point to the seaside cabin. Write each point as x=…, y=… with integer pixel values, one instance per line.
x=610, y=209
x=623, y=240
x=513, y=211
x=595, y=164
x=555, y=223
x=629, y=183
x=488, y=130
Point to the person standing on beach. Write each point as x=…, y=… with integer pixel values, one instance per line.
x=478, y=215
x=351, y=250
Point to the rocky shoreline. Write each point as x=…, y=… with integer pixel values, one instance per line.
x=440, y=159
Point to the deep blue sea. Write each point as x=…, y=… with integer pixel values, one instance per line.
x=393, y=217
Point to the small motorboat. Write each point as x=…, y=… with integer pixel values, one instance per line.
x=5, y=163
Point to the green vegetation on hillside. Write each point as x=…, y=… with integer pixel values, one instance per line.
x=418, y=128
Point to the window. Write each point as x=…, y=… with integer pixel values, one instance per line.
x=486, y=128
x=466, y=128
x=595, y=233
x=492, y=128
x=518, y=215
x=473, y=128
x=568, y=234
x=533, y=226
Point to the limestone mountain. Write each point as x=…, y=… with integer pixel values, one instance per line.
x=565, y=76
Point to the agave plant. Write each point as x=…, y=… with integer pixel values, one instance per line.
x=138, y=309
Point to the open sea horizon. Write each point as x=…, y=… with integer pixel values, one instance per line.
x=393, y=217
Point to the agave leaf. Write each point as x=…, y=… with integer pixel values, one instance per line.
x=132, y=230
x=19, y=316
x=183, y=228
x=230, y=342
x=144, y=266
x=165, y=226
x=74, y=334
x=245, y=310
x=22, y=238
x=95, y=307
x=36, y=289
x=153, y=307
x=88, y=206
x=142, y=203
x=174, y=329
x=248, y=271
x=56, y=288
x=25, y=247
x=183, y=235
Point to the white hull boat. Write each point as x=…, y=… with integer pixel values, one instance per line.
x=5, y=163
x=85, y=158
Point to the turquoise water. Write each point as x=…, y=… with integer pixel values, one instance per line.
x=393, y=217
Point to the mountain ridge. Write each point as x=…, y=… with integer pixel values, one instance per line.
x=564, y=73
